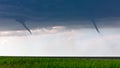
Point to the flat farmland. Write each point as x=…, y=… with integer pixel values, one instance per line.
x=58, y=62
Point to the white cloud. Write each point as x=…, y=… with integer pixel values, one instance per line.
x=51, y=30
x=55, y=41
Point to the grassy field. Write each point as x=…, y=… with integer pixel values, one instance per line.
x=30, y=62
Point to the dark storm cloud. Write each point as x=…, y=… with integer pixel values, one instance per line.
x=43, y=13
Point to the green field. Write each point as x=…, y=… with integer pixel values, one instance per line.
x=30, y=62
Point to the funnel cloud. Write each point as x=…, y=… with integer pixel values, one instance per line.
x=94, y=23
x=22, y=21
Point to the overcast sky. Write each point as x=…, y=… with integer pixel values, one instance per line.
x=59, y=27
x=45, y=13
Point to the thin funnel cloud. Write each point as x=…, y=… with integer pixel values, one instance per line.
x=94, y=23
x=22, y=21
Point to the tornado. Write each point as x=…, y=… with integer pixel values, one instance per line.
x=94, y=24
x=22, y=21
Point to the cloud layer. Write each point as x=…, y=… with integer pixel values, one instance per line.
x=56, y=42
x=45, y=13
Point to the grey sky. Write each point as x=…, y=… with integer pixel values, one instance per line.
x=43, y=13
x=59, y=27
